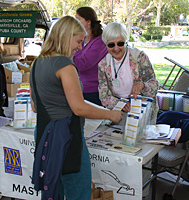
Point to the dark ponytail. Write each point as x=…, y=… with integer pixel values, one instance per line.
x=89, y=13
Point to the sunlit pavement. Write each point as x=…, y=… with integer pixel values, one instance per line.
x=157, y=55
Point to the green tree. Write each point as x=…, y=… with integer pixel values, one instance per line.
x=172, y=11
x=59, y=8
x=128, y=10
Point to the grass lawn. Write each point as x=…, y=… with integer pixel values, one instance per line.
x=163, y=70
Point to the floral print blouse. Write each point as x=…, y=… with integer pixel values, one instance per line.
x=142, y=70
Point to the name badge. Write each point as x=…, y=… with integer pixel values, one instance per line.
x=115, y=82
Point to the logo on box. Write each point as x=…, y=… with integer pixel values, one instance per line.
x=12, y=161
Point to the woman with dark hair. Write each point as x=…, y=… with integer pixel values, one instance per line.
x=93, y=50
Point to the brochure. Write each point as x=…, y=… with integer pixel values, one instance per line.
x=128, y=149
x=102, y=141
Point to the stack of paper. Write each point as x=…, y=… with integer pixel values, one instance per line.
x=24, y=117
x=163, y=129
x=137, y=119
x=170, y=139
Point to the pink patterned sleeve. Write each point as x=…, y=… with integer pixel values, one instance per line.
x=105, y=86
x=148, y=76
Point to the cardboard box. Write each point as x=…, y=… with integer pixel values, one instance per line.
x=13, y=77
x=27, y=62
x=26, y=78
x=26, y=75
x=12, y=88
x=30, y=57
x=18, y=77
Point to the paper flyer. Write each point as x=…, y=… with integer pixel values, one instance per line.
x=20, y=113
x=102, y=141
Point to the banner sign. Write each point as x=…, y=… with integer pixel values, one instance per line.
x=16, y=163
x=17, y=24
x=111, y=170
x=117, y=171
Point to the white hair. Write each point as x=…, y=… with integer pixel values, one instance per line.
x=113, y=31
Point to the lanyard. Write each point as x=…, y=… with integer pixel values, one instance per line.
x=120, y=64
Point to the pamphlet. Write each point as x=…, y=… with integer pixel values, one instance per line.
x=131, y=129
x=163, y=129
x=92, y=124
x=20, y=113
x=119, y=106
x=115, y=130
x=102, y=141
x=128, y=149
x=136, y=105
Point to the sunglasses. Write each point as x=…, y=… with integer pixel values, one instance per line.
x=112, y=44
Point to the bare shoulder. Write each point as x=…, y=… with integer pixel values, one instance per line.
x=66, y=70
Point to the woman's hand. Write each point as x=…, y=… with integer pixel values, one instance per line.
x=138, y=86
x=127, y=107
x=115, y=115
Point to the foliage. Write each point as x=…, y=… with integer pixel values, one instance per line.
x=159, y=30
x=125, y=11
x=131, y=39
x=173, y=10
x=142, y=39
x=21, y=7
x=154, y=37
x=146, y=36
x=159, y=4
x=159, y=37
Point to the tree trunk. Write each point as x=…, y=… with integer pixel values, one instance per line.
x=129, y=18
x=158, y=16
x=158, y=6
x=64, y=8
x=129, y=26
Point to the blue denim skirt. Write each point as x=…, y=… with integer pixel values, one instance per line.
x=77, y=186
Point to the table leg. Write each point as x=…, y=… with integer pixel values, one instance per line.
x=153, y=177
x=154, y=172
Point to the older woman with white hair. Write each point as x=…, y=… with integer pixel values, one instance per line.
x=125, y=71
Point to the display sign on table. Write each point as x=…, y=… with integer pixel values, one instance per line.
x=16, y=163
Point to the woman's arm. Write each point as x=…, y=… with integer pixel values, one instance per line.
x=147, y=76
x=74, y=96
x=32, y=103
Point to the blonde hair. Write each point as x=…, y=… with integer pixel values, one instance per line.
x=59, y=40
